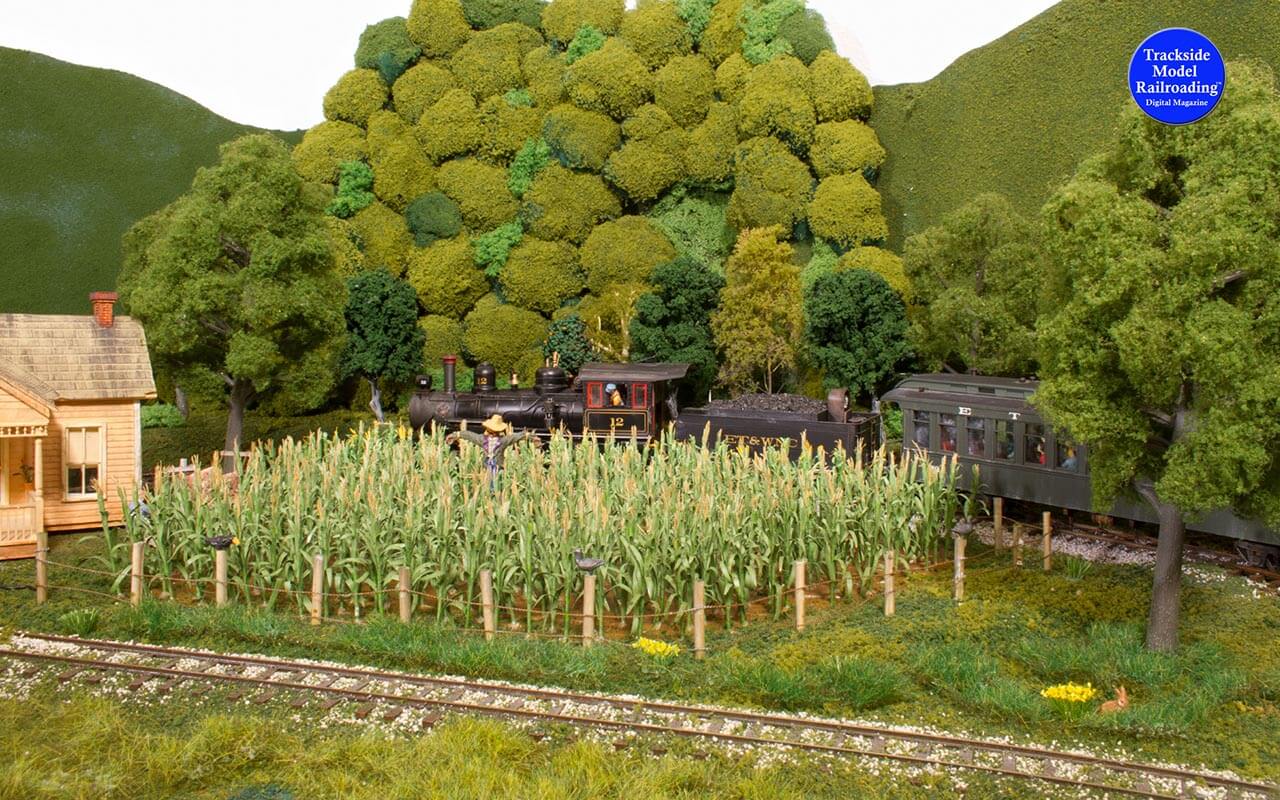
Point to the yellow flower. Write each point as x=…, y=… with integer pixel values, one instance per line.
x=655, y=648
x=1070, y=692
x=235, y=540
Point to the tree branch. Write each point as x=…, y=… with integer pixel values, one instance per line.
x=235, y=251
x=215, y=325
x=1223, y=281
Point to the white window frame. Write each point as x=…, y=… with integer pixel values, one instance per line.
x=67, y=494
x=4, y=472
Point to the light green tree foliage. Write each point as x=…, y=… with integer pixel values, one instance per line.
x=696, y=14
x=355, y=96
x=613, y=80
x=401, y=172
x=482, y=14
x=506, y=128
x=383, y=237
x=562, y=204
x=625, y=250
x=451, y=127
x=647, y=122
x=1159, y=348
x=533, y=156
x=845, y=94
x=562, y=18
x=712, y=147
x=492, y=249
x=885, y=263
x=543, y=73
x=443, y=338
x=586, y=41
x=849, y=146
x=581, y=139
x=355, y=180
x=419, y=88
x=846, y=210
x=438, y=26
x=777, y=101
x=348, y=261
x=758, y=323
x=761, y=24
x=645, y=168
x=489, y=63
x=731, y=78
x=446, y=278
x=480, y=190
x=723, y=35
x=696, y=226
x=387, y=47
x=656, y=32
x=771, y=185
x=503, y=334
x=684, y=87
x=542, y=275
x=325, y=148
x=608, y=318
x=976, y=276
x=235, y=284
x=823, y=260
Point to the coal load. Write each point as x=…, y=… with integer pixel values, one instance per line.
x=786, y=403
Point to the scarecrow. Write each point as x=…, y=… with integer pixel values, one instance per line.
x=497, y=437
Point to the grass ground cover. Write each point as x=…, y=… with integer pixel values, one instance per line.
x=978, y=667
x=205, y=430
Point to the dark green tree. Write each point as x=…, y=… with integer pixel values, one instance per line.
x=236, y=286
x=855, y=327
x=977, y=276
x=384, y=341
x=673, y=323
x=567, y=337
x=1161, y=345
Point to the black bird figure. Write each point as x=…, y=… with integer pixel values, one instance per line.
x=587, y=565
x=219, y=542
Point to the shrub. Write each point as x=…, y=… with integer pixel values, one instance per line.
x=502, y=334
x=823, y=260
x=446, y=278
x=438, y=26
x=777, y=102
x=849, y=146
x=543, y=72
x=451, y=127
x=806, y=32
x=647, y=122
x=673, y=323
x=492, y=249
x=731, y=78
x=684, y=88
x=348, y=261
x=723, y=35
x=161, y=415
x=845, y=92
x=506, y=128
x=433, y=216
x=383, y=237
x=532, y=158
x=482, y=14
x=696, y=227
x=580, y=139
x=83, y=622
x=886, y=264
x=400, y=171
x=709, y=157
x=855, y=328
x=355, y=96
x=608, y=318
x=541, y=275
x=645, y=168
x=518, y=98
x=443, y=338
x=761, y=21
x=586, y=41
x=656, y=33
x=567, y=338
x=325, y=148
x=566, y=205
x=420, y=88
x=386, y=47
x=489, y=64
x=355, y=179
x=480, y=190
x=771, y=186
x=562, y=18
x=625, y=250
x=846, y=210
x=613, y=80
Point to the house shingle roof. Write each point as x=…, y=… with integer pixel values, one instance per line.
x=60, y=357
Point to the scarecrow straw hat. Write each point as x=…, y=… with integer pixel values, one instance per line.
x=495, y=424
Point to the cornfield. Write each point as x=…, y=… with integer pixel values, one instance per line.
x=660, y=517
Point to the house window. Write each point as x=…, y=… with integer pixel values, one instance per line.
x=83, y=461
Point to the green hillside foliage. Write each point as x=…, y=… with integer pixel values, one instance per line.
x=1016, y=116
x=85, y=153
x=546, y=163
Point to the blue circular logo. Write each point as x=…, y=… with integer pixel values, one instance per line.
x=1176, y=76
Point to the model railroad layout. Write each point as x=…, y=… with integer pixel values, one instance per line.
x=392, y=695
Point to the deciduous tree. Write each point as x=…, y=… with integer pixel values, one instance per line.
x=758, y=322
x=673, y=323
x=384, y=341
x=855, y=327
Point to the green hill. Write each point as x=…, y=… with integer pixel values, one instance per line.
x=1017, y=115
x=84, y=153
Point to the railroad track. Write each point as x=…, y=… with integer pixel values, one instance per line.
x=427, y=699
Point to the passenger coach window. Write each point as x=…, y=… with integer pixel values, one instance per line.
x=1067, y=458
x=976, y=433
x=1035, y=445
x=947, y=427
x=1004, y=440
x=920, y=432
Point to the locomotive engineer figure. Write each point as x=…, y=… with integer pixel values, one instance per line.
x=495, y=440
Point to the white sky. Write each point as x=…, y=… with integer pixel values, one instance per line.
x=269, y=62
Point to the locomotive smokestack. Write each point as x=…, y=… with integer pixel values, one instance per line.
x=450, y=374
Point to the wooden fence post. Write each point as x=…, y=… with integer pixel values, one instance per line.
x=42, y=566
x=157, y=478
x=959, y=569
x=699, y=619
x=1048, y=541
x=800, y=587
x=890, y=604
x=1017, y=544
x=135, y=574
x=998, y=526
x=317, y=588
x=588, y=609
x=486, y=604
x=220, y=577
x=406, y=604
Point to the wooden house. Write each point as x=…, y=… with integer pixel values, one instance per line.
x=71, y=389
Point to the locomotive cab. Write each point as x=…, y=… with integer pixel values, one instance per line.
x=629, y=399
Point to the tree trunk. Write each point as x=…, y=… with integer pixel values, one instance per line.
x=375, y=399
x=241, y=394
x=1162, y=624
x=180, y=400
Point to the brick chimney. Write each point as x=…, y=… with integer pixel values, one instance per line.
x=104, y=308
